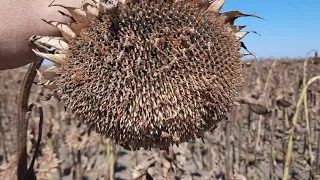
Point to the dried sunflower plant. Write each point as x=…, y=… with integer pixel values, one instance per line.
x=147, y=74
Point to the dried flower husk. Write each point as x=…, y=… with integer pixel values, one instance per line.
x=148, y=74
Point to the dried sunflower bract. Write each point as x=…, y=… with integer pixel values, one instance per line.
x=148, y=74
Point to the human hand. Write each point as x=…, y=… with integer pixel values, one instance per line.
x=19, y=20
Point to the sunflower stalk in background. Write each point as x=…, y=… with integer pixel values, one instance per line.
x=111, y=158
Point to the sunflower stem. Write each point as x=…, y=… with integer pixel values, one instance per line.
x=294, y=123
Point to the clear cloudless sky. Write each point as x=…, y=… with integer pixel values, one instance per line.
x=291, y=30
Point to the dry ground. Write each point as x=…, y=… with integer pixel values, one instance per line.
x=248, y=146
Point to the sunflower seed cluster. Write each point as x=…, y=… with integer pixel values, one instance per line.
x=152, y=74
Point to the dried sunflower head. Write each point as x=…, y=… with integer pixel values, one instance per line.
x=146, y=73
x=76, y=140
x=46, y=166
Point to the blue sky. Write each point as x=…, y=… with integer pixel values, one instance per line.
x=291, y=30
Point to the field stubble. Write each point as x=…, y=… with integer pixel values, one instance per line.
x=251, y=145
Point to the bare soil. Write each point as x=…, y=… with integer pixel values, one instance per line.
x=247, y=146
